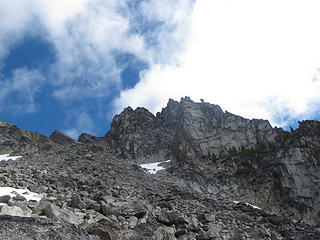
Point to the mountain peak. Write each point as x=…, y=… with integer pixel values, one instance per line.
x=196, y=127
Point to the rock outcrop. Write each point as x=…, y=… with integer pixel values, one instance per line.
x=138, y=133
x=299, y=174
x=61, y=138
x=16, y=140
x=203, y=128
x=184, y=127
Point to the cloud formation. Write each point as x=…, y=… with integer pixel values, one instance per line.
x=254, y=58
x=89, y=35
x=24, y=85
x=86, y=35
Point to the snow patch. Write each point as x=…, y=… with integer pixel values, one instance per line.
x=13, y=192
x=153, y=168
x=6, y=157
x=248, y=204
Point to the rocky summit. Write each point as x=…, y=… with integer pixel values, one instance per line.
x=192, y=171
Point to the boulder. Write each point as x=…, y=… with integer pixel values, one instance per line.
x=54, y=212
x=76, y=202
x=172, y=217
x=5, y=198
x=105, y=229
x=13, y=211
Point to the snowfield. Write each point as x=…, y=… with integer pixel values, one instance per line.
x=153, y=168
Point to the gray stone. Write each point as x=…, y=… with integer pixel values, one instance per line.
x=23, y=205
x=38, y=209
x=5, y=198
x=95, y=207
x=171, y=217
x=164, y=233
x=19, y=197
x=52, y=211
x=105, y=229
x=132, y=222
x=107, y=209
x=13, y=211
x=204, y=218
x=14, y=139
x=76, y=202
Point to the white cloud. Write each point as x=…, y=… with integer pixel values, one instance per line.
x=172, y=18
x=246, y=56
x=25, y=85
x=15, y=23
x=85, y=35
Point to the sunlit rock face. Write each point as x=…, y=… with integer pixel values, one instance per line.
x=203, y=128
x=184, y=127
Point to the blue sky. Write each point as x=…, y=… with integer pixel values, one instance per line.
x=71, y=66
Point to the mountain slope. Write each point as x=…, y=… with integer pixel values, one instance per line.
x=219, y=164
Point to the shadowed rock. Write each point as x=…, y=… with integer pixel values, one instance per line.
x=61, y=138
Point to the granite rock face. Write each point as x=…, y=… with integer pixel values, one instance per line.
x=138, y=133
x=184, y=127
x=204, y=128
x=300, y=170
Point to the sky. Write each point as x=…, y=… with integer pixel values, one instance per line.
x=71, y=65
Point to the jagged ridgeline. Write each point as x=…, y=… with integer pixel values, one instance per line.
x=215, y=175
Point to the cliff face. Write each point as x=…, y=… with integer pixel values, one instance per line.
x=198, y=129
x=298, y=155
x=139, y=134
x=220, y=162
x=283, y=176
x=204, y=129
